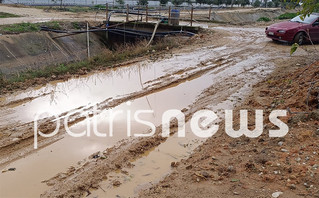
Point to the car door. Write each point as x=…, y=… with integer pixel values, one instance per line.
x=314, y=31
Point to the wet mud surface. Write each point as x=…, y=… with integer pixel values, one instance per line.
x=216, y=73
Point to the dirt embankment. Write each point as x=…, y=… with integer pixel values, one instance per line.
x=244, y=15
x=245, y=167
x=34, y=50
x=35, y=15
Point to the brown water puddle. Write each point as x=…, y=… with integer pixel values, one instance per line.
x=45, y=163
x=59, y=97
x=150, y=168
x=155, y=164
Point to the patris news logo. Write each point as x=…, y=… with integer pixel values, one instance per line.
x=202, y=124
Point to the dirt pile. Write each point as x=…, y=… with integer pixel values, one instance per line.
x=261, y=167
x=244, y=16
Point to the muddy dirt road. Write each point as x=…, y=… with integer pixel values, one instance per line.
x=216, y=74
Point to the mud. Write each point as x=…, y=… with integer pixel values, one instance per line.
x=215, y=73
x=258, y=167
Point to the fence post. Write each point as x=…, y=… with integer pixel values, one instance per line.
x=107, y=12
x=210, y=12
x=127, y=12
x=169, y=14
x=88, y=39
x=192, y=12
x=146, y=14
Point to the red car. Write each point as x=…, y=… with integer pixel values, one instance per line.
x=296, y=30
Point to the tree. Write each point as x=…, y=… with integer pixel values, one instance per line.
x=232, y=3
x=228, y=2
x=177, y=2
x=163, y=2
x=201, y=1
x=189, y=2
x=121, y=2
x=142, y=2
x=218, y=2
x=270, y=4
x=61, y=2
x=257, y=3
x=244, y=2
x=276, y=3
x=236, y=2
x=308, y=6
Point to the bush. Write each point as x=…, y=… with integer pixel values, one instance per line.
x=163, y=2
x=265, y=19
x=287, y=16
x=276, y=3
x=99, y=7
x=177, y=2
x=142, y=2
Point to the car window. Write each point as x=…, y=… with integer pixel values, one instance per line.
x=307, y=19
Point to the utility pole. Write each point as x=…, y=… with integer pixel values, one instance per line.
x=107, y=11
x=146, y=13
x=192, y=12
x=127, y=12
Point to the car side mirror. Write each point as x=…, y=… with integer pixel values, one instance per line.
x=315, y=23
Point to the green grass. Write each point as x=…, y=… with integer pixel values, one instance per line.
x=265, y=19
x=28, y=27
x=287, y=16
x=76, y=25
x=99, y=7
x=7, y=15
x=21, y=27
x=74, y=9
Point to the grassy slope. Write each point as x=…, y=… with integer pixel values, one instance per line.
x=7, y=15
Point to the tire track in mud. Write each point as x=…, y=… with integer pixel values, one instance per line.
x=77, y=181
x=11, y=146
x=80, y=180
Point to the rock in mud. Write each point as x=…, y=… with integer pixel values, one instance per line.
x=205, y=174
x=189, y=167
x=276, y=194
x=174, y=164
x=116, y=183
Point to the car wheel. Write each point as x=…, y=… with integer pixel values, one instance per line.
x=299, y=38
